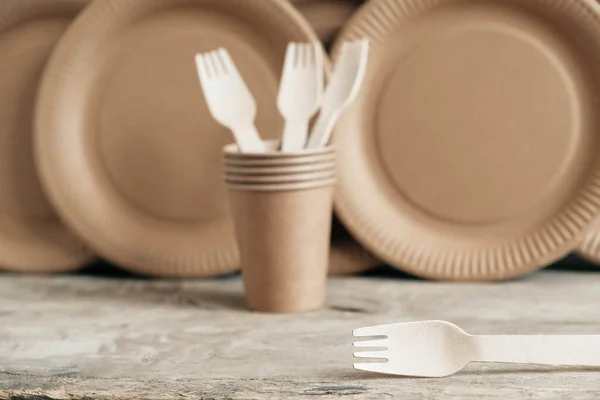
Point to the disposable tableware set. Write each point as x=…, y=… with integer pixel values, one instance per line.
x=472, y=156
x=281, y=192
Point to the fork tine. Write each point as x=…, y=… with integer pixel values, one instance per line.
x=216, y=61
x=369, y=331
x=230, y=66
x=309, y=58
x=306, y=48
x=201, y=68
x=372, y=343
x=318, y=57
x=290, y=55
x=225, y=60
x=220, y=62
x=210, y=68
x=308, y=55
x=298, y=56
x=371, y=354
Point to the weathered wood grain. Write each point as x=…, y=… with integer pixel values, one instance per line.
x=77, y=337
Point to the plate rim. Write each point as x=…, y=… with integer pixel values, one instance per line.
x=22, y=259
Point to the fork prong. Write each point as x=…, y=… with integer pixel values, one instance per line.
x=305, y=55
x=201, y=68
x=230, y=66
x=210, y=67
x=298, y=56
x=220, y=62
x=290, y=56
x=318, y=59
x=371, y=354
x=308, y=54
x=225, y=60
x=372, y=343
x=216, y=61
x=369, y=331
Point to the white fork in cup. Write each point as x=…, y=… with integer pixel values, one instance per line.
x=229, y=99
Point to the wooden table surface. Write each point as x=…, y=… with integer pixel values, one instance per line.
x=82, y=337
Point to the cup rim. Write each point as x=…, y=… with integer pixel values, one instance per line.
x=232, y=150
x=268, y=162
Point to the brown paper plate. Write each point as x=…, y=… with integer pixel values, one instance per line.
x=32, y=238
x=348, y=257
x=125, y=143
x=589, y=248
x=471, y=153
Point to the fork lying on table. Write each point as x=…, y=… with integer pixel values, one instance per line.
x=438, y=349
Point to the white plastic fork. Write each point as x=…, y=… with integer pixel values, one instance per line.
x=438, y=349
x=342, y=90
x=300, y=92
x=228, y=98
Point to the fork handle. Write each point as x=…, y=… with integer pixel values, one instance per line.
x=248, y=139
x=294, y=136
x=568, y=350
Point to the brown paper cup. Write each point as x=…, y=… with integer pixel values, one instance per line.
x=284, y=239
x=283, y=228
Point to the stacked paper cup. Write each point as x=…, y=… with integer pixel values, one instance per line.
x=282, y=205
